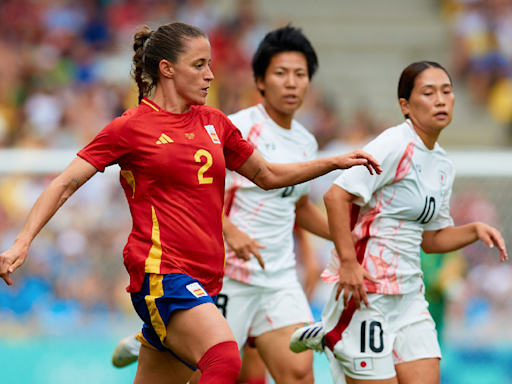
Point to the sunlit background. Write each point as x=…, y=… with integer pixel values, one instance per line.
x=64, y=74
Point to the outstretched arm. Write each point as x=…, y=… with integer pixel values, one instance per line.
x=271, y=175
x=59, y=190
x=453, y=238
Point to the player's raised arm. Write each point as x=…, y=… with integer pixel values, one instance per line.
x=56, y=194
x=271, y=175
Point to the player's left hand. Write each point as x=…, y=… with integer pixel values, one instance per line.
x=358, y=157
x=492, y=237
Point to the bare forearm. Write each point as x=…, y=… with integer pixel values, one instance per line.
x=308, y=217
x=449, y=239
x=59, y=190
x=282, y=175
x=45, y=207
x=227, y=226
x=338, y=213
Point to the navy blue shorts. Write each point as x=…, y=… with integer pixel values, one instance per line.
x=159, y=296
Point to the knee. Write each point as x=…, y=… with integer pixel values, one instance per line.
x=302, y=374
x=220, y=364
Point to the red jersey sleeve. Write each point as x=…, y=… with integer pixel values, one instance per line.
x=109, y=146
x=236, y=149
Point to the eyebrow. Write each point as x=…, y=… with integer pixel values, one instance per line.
x=433, y=86
x=287, y=69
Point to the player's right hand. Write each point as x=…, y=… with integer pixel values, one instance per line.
x=10, y=260
x=358, y=157
x=352, y=276
x=243, y=245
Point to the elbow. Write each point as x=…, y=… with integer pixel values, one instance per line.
x=330, y=197
x=264, y=183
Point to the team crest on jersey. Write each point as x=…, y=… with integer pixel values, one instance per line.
x=213, y=134
x=365, y=364
x=196, y=290
x=190, y=136
x=442, y=177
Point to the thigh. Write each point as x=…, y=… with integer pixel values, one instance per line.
x=159, y=367
x=423, y=371
x=192, y=332
x=284, y=365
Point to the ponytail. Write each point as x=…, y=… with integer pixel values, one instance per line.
x=140, y=42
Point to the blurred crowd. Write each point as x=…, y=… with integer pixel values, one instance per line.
x=64, y=74
x=482, y=52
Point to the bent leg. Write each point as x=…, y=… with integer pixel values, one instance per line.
x=202, y=337
x=424, y=371
x=159, y=367
x=284, y=365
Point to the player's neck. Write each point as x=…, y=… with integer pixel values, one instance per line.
x=170, y=101
x=428, y=135
x=284, y=120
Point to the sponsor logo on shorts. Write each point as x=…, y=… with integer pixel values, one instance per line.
x=196, y=290
x=365, y=364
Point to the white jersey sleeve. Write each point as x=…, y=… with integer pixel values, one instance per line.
x=387, y=149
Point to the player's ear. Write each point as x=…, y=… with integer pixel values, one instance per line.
x=166, y=69
x=260, y=84
x=404, y=106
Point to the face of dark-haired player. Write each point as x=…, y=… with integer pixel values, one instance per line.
x=285, y=84
x=430, y=106
x=192, y=74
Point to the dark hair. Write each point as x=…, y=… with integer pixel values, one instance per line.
x=409, y=75
x=166, y=43
x=286, y=39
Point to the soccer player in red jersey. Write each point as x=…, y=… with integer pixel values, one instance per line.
x=173, y=151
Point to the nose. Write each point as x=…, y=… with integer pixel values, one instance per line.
x=209, y=74
x=290, y=80
x=440, y=99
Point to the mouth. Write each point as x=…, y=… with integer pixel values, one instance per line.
x=441, y=115
x=205, y=90
x=291, y=99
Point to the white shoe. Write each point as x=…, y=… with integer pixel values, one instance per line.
x=126, y=352
x=308, y=337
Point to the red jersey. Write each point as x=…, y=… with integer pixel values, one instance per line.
x=172, y=172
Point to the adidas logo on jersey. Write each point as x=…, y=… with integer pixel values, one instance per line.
x=190, y=136
x=164, y=139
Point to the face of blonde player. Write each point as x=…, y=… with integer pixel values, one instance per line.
x=192, y=74
x=430, y=106
x=285, y=85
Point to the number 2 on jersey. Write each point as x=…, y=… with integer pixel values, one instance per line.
x=209, y=161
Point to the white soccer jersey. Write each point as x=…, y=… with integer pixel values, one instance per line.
x=267, y=216
x=394, y=208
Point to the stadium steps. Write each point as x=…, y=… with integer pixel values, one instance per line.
x=363, y=45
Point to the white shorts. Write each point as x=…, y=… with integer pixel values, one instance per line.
x=369, y=342
x=252, y=311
